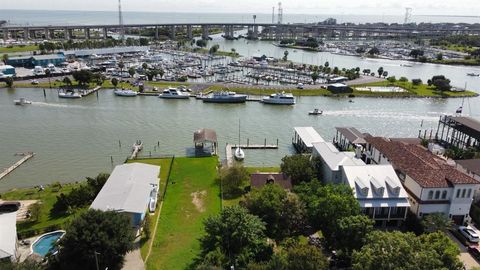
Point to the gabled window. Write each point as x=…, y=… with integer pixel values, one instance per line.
x=437, y=194
x=430, y=194
x=463, y=193
x=458, y=193
x=469, y=193
x=444, y=195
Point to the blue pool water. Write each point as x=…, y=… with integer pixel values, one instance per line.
x=46, y=243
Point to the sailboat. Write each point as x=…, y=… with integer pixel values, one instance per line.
x=239, y=154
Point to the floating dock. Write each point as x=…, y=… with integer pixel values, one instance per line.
x=26, y=156
x=229, y=152
x=88, y=92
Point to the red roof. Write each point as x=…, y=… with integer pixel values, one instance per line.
x=421, y=165
x=258, y=180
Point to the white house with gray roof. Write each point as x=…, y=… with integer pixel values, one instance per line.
x=129, y=189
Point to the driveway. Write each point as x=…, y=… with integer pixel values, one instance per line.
x=133, y=259
x=465, y=257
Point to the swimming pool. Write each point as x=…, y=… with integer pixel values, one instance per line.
x=46, y=242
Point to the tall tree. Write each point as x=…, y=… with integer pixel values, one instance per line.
x=326, y=205
x=106, y=234
x=351, y=233
x=234, y=238
x=298, y=168
x=285, y=56
x=9, y=82
x=232, y=180
x=282, y=212
x=380, y=71
x=306, y=257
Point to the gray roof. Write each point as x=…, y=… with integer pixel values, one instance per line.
x=8, y=234
x=48, y=56
x=128, y=188
x=352, y=134
x=335, y=158
x=472, y=165
x=205, y=135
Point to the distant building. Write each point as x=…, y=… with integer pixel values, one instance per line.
x=339, y=79
x=433, y=185
x=36, y=60
x=8, y=236
x=129, y=189
x=379, y=192
x=337, y=88
x=7, y=71
x=348, y=137
x=258, y=180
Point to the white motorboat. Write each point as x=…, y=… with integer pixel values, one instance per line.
x=225, y=97
x=22, y=101
x=279, y=99
x=473, y=74
x=125, y=93
x=315, y=112
x=173, y=93
x=69, y=94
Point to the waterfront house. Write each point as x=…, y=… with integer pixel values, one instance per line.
x=8, y=236
x=260, y=179
x=379, y=192
x=304, y=138
x=130, y=189
x=337, y=88
x=331, y=160
x=348, y=138
x=432, y=184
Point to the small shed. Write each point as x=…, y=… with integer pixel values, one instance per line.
x=339, y=88
x=205, y=137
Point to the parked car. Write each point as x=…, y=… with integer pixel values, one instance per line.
x=300, y=86
x=469, y=233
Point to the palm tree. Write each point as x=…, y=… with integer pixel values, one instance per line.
x=314, y=77
x=67, y=81
x=285, y=55
x=121, y=66
x=115, y=82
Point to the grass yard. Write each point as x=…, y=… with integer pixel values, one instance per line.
x=15, y=49
x=47, y=199
x=192, y=195
x=422, y=90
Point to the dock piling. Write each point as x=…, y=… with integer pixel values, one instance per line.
x=111, y=159
x=265, y=142
x=44, y=93
x=119, y=144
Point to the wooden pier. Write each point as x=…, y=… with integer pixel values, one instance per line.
x=26, y=156
x=136, y=148
x=88, y=92
x=229, y=152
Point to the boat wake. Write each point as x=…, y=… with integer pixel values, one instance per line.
x=384, y=114
x=57, y=105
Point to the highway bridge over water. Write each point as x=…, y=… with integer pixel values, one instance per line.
x=254, y=30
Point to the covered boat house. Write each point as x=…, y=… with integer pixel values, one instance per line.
x=205, y=141
x=458, y=131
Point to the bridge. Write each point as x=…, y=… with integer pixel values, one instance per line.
x=254, y=30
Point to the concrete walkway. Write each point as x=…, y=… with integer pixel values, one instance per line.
x=133, y=259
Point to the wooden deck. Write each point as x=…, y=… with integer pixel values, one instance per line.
x=88, y=92
x=229, y=152
x=26, y=156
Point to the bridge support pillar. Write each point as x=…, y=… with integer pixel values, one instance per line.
x=26, y=33
x=47, y=33
x=86, y=30
x=189, y=32
x=255, y=32
x=105, y=33
x=173, y=32
x=205, y=34
x=156, y=33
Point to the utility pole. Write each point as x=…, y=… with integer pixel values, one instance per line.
x=408, y=15
x=254, y=18
x=120, y=22
x=273, y=15
x=280, y=13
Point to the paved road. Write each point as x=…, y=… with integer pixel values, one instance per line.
x=465, y=257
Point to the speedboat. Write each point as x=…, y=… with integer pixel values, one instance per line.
x=125, y=93
x=315, y=112
x=22, y=101
x=69, y=94
x=173, y=93
x=239, y=154
x=279, y=99
x=225, y=97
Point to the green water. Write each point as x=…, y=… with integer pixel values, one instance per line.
x=77, y=138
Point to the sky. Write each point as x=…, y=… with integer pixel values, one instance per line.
x=356, y=7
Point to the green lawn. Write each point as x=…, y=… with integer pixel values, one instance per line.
x=192, y=195
x=15, y=49
x=422, y=90
x=47, y=198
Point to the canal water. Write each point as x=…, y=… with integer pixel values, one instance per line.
x=77, y=138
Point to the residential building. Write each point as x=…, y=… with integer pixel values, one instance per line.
x=304, y=138
x=432, y=184
x=348, y=138
x=130, y=189
x=8, y=236
x=331, y=161
x=379, y=192
x=261, y=179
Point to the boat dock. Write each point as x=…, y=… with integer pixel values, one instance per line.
x=229, y=147
x=88, y=92
x=26, y=156
x=136, y=148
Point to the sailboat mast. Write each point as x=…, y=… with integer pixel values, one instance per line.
x=238, y=132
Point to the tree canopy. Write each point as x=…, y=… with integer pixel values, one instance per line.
x=282, y=212
x=234, y=237
x=109, y=234
x=232, y=180
x=397, y=250
x=298, y=168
